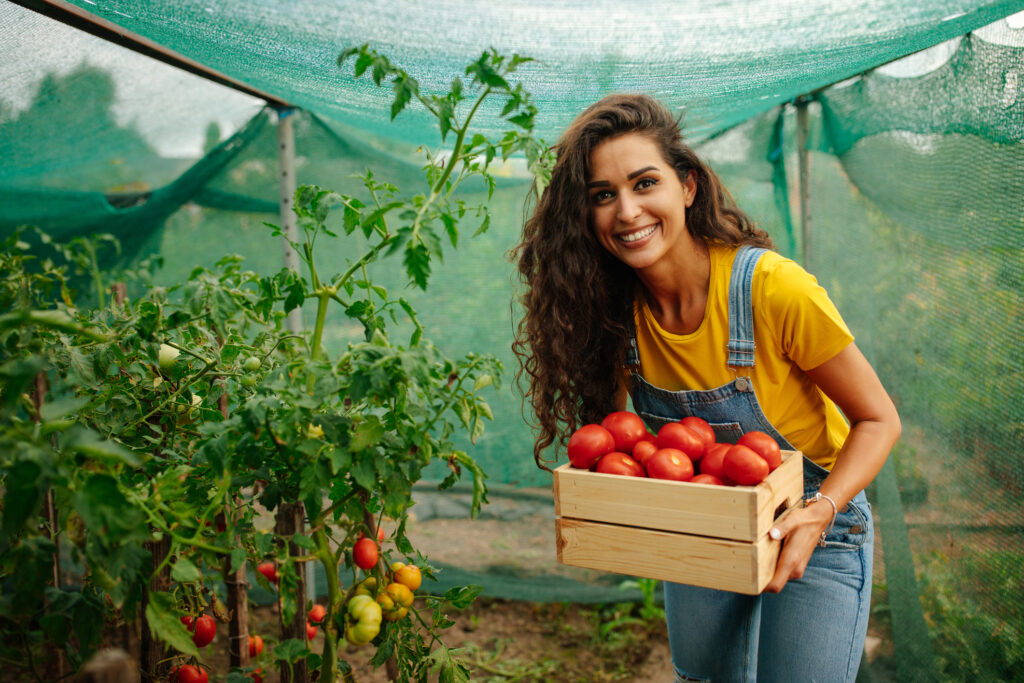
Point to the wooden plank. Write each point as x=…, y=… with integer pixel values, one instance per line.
x=742, y=513
x=682, y=558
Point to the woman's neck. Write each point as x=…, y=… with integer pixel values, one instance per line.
x=676, y=288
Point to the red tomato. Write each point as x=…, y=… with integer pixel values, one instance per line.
x=187, y=620
x=670, y=463
x=626, y=428
x=701, y=427
x=268, y=570
x=763, y=445
x=310, y=631
x=365, y=554
x=588, y=443
x=620, y=463
x=317, y=613
x=257, y=675
x=682, y=438
x=707, y=479
x=744, y=466
x=203, y=630
x=255, y=646
x=714, y=462
x=190, y=673
x=645, y=448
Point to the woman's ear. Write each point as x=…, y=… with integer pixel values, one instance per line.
x=690, y=187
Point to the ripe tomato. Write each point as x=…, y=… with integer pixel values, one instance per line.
x=408, y=575
x=744, y=466
x=587, y=444
x=701, y=427
x=256, y=675
x=713, y=462
x=269, y=570
x=620, y=463
x=190, y=673
x=203, y=630
x=682, y=438
x=626, y=428
x=380, y=534
x=706, y=479
x=316, y=614
x=310, y=631
x=645, y=448
x=255, y=646
x=365, y=554
x=670, y=463
x=763, y=445
x=187, y=620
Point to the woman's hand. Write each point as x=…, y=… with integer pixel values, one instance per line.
x=800, y=532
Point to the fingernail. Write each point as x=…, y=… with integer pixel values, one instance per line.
x=775, y=533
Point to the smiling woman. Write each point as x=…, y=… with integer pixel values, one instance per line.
x=643, y=277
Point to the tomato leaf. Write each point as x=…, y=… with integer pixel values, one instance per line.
x=164, y=622
x=184, y=571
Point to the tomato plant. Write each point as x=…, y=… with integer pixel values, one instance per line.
x=144, y=436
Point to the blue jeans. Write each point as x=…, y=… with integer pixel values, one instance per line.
x=813, y=630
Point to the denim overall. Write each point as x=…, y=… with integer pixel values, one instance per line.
x=814, y=629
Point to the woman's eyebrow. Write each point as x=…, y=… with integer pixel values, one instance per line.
x=634, y=174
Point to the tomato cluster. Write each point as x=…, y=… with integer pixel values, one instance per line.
x=686, y=450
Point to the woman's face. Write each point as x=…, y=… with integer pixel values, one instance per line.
x=637, y=203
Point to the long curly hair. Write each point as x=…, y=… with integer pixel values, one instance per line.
x=579, y=300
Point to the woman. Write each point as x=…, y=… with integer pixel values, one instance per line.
x=643, y=277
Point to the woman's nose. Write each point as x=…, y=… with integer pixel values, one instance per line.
x=629, y=208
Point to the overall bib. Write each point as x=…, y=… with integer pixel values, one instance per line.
x=814, y=629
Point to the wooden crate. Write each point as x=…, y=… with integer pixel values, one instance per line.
x=697, y=534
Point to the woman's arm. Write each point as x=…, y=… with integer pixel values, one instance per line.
x=850, y=381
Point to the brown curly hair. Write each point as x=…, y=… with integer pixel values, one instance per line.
x=579, y=299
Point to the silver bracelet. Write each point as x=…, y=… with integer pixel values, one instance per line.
x=835, y=510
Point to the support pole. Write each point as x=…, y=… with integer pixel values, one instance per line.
x=286, y=184
x=804, y=165
x=289, y=225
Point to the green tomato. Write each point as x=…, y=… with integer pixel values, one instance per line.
x=251, y=364
x=361, y=634
x=167, y=356
x=248, y=381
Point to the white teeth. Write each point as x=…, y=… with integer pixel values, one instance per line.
x=639, y=235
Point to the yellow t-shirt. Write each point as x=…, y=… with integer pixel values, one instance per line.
x=796, y=328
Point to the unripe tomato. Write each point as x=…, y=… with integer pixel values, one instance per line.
x=367, y=586
x=204, y=629
x=763, y=445
x=396, y=615
x=626, y=428
x=744, y=466
x=248, y=381
x=587, y=444
x=365, y=554
x=251, y=364
x=269, y=570
x=166, y=357
x=190, y=673
x=361, y=634
x=316, y=614
x=255, y=646
x=365, y=615
x=400, y=594
x=408, y=575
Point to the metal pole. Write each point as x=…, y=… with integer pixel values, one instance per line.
x=804, y=164
x=286, y=183
x=290, y=227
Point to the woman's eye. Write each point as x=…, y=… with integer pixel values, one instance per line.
x=601, y=196
x=644, y=183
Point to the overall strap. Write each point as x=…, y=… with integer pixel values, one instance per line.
x=632, y=359
x=741, y=311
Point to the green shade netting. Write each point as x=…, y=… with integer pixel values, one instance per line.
x=916, y=217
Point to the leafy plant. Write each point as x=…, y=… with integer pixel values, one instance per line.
x=142, y=437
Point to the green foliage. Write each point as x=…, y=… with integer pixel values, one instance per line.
x=975, y=608
x=159, y=426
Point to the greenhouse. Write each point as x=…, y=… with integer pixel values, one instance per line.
x=262, y=303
